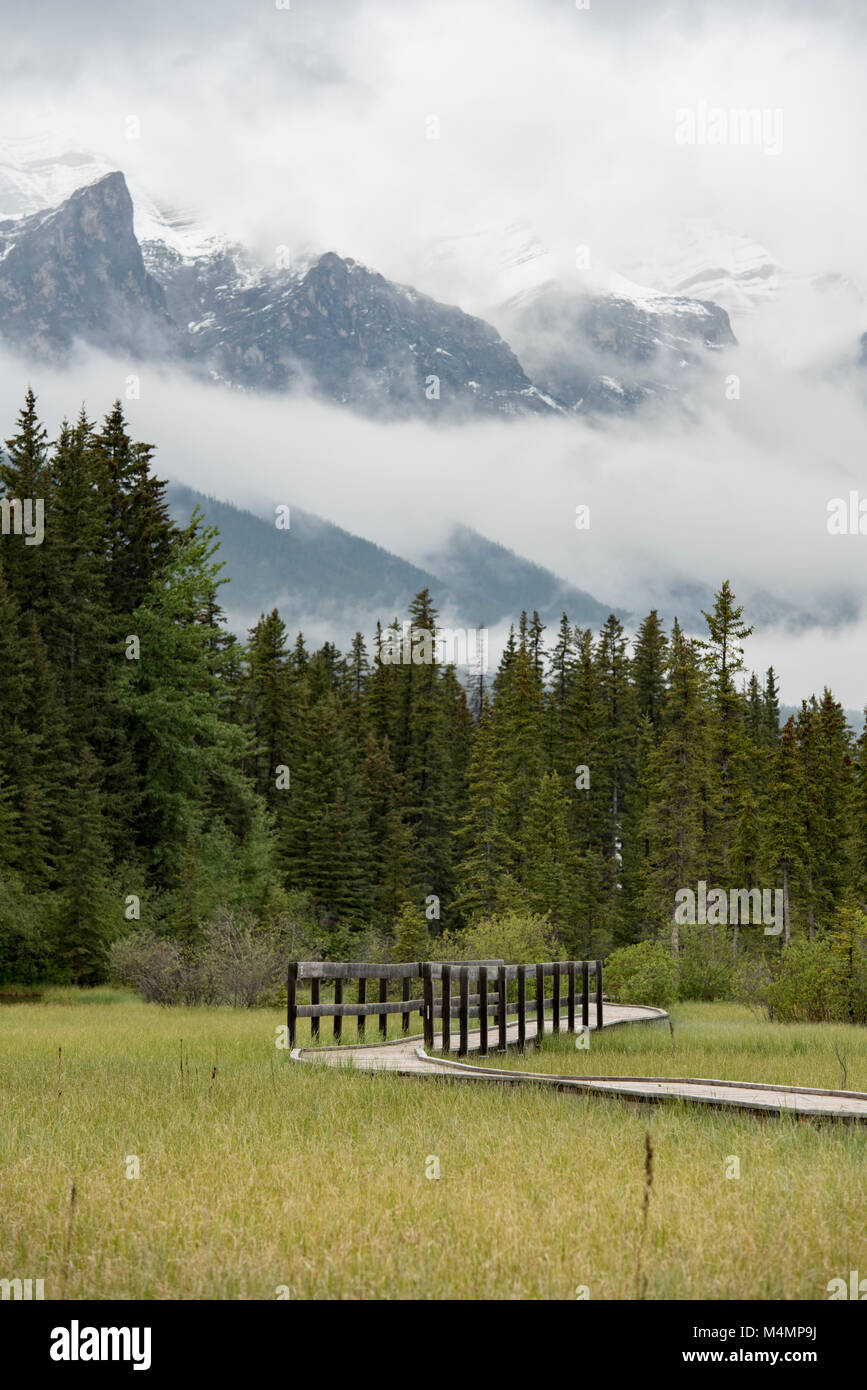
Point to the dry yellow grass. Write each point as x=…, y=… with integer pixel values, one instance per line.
x=276, y=1176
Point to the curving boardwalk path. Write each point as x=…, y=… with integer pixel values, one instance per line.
x=407, y=1057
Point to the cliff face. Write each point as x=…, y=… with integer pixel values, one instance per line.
x=334, y=328
x=77, y=273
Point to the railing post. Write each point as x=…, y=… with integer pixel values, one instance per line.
x=383, y=1018
x=314, y=999
x=447, y=1008
x=405, y=994
x=540, y=1004
x=464, y=1041
x=585, y=994
x=338, y=999
x=483, y=1010
x=362, y=999
x=555, y=992
x=291, y=1000
x=599, y=1018
x=428, y=1005
x=502, y=1015
x=570, y=970
x=522, y=1005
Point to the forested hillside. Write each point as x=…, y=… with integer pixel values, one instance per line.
x=153, y=769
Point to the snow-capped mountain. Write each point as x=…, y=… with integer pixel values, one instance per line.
x=78, y=273
x=705, y=262
x=85, y=256
x=35, y=175
x=589, y=336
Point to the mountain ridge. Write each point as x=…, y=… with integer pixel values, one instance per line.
x=316, y=573
x=332, y=326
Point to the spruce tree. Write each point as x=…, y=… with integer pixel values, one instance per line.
x=675, y=789
x=649, y=659
x=783, y=830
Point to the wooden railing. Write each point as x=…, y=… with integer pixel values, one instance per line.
x=492, y=997
x=339, y=973
x=483, y=989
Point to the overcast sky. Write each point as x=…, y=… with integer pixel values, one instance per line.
x=307, y=126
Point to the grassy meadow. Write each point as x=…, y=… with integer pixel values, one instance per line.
x=258, y=1175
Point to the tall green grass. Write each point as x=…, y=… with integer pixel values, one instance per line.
x=724, y=1041
x=259, y=1174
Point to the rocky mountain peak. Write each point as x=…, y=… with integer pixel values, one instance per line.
x=77, y=273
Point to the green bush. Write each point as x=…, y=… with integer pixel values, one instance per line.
x=411, y=940
x=704, y=968
x=645, y=973
x=808, y=984
x=514, y=937
x=28, y=936
x=804, y=982
x=848, y=940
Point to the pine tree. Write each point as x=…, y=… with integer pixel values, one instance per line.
x=584, y=719
x=482, y=841
x=24, y=477
x=268, y=705
x=614, y=759
x=139, y=531
x=411, y=934
x=324, y=842
x=727, y=631
x=649, y=659
x=88, y=907
x=783, y=835
x=772, y=709
x=425, y=726
x=389, y=843
x=550, y=874
x=677, y=770
x=858, y=832
x=517, y=739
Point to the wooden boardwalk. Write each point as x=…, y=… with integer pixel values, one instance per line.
x=407, y=1057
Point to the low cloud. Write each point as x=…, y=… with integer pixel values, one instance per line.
x=740, y=490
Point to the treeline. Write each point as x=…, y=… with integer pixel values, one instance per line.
x=155, y=770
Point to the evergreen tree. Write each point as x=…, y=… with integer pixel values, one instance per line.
x=25, y=477
x=649, y=660
x=86, y=920
x=783, y=837
x=677, y=771
x=772, y=709
x=483, y=844
x=727, y=631
x=550, y=875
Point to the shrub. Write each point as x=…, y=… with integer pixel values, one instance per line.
x=516, y=938
x=848, y=940
x=152, y=965
x=241, y=962
x=411, y=940
x=804, y=982
x=808, y=984
x=28, y=934
x=645, y=973
x=237, y=961
x=704, y=969
x=751, y=980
